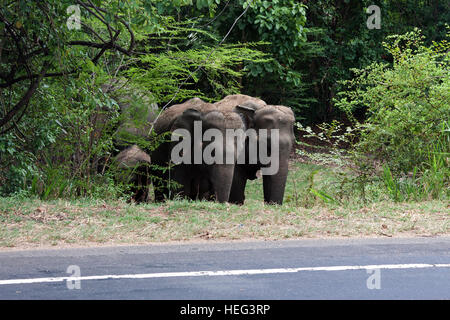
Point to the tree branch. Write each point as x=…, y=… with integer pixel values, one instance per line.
x=23, y=103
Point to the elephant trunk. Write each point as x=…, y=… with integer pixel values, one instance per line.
x=274, y=185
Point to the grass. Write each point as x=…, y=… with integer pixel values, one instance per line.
x=332, y=211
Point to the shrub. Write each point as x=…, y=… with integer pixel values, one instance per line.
x=407, y=103
x=403, y=147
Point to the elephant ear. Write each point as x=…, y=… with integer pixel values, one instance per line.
x=247, y=111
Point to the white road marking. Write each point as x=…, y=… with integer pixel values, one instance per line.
x=223, y=273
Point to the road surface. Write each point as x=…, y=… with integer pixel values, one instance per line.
x=416, y=268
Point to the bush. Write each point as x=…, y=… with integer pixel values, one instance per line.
x=403, y=147
x=59, y=144
x=407, y=103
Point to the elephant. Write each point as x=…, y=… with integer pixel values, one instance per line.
x=216, y=178
x=179, y=116
x=257, y=114
x=137, y=112
x=132, y=165
x=198, y=180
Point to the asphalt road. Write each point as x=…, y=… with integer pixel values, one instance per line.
x=303, y=269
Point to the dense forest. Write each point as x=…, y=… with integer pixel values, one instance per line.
x=376, y=98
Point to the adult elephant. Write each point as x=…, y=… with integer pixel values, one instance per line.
x=258, y=115
x=179, y=116
x=197, y=178
x=220, y=154
x=137, y=110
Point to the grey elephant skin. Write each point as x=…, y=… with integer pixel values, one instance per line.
x=169, y=180
x=195, y=181
x=258, y=115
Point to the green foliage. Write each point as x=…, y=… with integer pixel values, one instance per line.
x=281, y=23
x=332, y=144
x=408, y=104
x=356, y=177
x=216, y=72
x=402, y=148
x=275, y=28
x=61, y=137
x=61, y=141
x=339, y=40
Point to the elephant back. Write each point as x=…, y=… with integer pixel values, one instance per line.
x=222, y=119
x=286, y=112
x=167, y=118
x=132, y=156
x=230, y=102
x=233, y=120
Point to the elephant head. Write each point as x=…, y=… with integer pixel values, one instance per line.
x=196, y=178
x=186, y=171
x=269, y=117
x=180, y=117
x=219, y=153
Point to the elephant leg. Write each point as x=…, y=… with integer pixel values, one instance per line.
x=140, y=184
x=188, y=178
x=274, y=185
x=221, y=177
x=194, y=189
x=141, y=194
x=237, y=193
x=205, y=189
x=162, y=173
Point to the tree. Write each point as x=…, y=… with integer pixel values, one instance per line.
x=341, y=41
x=37, y=43
x=57, y=123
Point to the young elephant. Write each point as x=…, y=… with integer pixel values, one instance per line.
x=133, y=165
x=257, y=116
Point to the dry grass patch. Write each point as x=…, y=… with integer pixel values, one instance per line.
x=33, y=223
